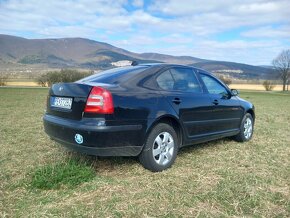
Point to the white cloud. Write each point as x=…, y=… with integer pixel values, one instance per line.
x=66, y=31
x=187, y=27
x=191, y=7
x=268, y=32
x=254, y=52
x=211, y=16
x=138, y=3
x=198, y=17
x=61, y=11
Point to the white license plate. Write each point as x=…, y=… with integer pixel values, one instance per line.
x=61, y=102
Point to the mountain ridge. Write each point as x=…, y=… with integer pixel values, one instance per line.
x=89, y=54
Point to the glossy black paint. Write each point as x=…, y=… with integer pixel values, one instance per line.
x=139, y=103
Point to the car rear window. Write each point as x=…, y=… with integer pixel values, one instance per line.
x=115, y=75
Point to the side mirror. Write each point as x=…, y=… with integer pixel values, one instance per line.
x=234, y=92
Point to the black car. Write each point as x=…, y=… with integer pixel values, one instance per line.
x=148, y=110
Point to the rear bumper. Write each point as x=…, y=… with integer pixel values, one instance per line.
x=97, y=138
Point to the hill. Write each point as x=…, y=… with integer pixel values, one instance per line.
x=21, y=53
x=237, y=70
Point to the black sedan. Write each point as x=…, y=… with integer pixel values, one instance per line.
x=149, y=110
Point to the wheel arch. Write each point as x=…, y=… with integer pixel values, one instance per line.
x=172, y=121
x=252, y=112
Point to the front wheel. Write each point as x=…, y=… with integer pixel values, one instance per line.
x=160, y=149
x=246, y=129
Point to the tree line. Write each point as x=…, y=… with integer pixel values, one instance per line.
x=62, y=76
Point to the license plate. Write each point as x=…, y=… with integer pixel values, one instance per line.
x=61, y=102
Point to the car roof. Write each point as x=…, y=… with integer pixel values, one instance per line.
x=161, y=64
x=168, y=65
x=133, y=74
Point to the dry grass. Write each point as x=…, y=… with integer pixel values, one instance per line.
x=257, y=87
x=19, y=83
x=220, y=178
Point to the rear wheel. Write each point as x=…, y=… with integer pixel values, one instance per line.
x=160, y=148
x=246, y=129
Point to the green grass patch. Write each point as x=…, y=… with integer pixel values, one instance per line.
x=223, y=178
x=69, y=174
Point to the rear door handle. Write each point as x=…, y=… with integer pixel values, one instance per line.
x=176, y=101
x=215, y=102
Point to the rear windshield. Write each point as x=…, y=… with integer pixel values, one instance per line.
x=115, y=75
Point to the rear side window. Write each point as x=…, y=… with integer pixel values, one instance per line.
x=165, y=81
x=213, y=86
x=179, y=79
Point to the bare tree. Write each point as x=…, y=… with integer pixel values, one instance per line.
x=282, y=65
x=268, y=85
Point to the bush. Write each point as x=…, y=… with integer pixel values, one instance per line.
x=3, y=79
x=69, y=174
x=268, y=85
x=226, y=80
x=62, y=76
x=42, y=80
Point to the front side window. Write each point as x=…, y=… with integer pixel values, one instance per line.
x=179, y=79
x=213, y=86
x=185, y=80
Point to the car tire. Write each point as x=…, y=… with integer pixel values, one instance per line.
x=160, y=149
x=246, y=129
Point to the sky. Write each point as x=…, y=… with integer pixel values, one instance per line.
x=245, y=31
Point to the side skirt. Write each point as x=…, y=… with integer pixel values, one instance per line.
x=209, y=137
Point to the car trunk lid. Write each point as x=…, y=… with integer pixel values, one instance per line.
x=68, y=100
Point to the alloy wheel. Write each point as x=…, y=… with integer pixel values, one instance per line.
x=163, y=148
x=248, y=128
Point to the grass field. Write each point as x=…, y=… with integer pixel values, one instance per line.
x=220, y=178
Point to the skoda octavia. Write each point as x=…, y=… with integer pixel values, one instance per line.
x=150, y=111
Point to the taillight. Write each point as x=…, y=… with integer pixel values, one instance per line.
x=99, y=101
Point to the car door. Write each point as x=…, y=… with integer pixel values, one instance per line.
x=184, y=93
x=226, y=109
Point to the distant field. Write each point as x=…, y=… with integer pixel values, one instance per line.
x=22, y=83
x=217, y=179
x=257, y=87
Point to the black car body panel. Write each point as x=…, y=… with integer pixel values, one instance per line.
x=139, y=104
x=111, y=140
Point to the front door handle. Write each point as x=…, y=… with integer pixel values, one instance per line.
x=176, y=101
x=215, y=102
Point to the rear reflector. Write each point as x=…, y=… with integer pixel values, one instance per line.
x=100, y=101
